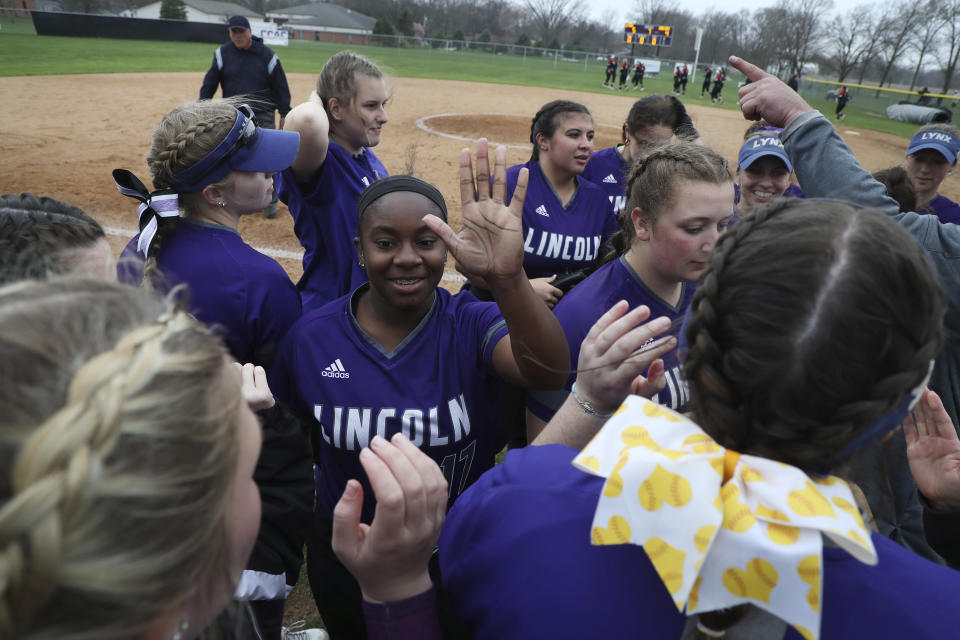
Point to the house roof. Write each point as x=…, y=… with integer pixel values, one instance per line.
x=215, y=7
x=324, y=14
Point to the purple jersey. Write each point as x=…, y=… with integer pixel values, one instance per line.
x=944, y=208
x=560, y=239
x=515, y=550
x=582, y=307
x=435, y=387
x=232, y=286
x=608, y=170
x=325, y=220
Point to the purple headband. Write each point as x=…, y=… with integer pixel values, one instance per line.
x=215, y=165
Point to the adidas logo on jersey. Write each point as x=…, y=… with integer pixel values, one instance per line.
x=542, y=210
x=610, y=179
x=335, y=370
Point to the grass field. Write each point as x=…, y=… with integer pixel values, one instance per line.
x=24, y=53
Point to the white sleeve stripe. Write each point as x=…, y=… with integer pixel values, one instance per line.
x=219, y=58
x=258, y=585
x=273, y=64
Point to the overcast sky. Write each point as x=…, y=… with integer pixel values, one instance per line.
x=596, y=8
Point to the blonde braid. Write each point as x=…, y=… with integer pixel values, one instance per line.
x=113, y=510
x=57, y=464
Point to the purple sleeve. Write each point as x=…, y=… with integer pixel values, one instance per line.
x=273, y=307
x=483, y=321
x=411, y=619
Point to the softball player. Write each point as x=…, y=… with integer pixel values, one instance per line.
x=611, y=72
x=680, y=202
x=211, y=160
x=843, y=97
x=638, y=71
x=400, y=354
x=763, y=172
x=706, y=81
x=624, y=73
x=338, y=126
x=931, y=157
x=651, y=121
x=565, y=219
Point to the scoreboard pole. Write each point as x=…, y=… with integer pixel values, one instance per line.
x=696, y=59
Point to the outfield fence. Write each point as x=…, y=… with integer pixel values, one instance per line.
x=872, y=98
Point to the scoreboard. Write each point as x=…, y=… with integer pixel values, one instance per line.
x=655, y=36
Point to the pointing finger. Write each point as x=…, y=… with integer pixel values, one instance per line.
x=748, y=69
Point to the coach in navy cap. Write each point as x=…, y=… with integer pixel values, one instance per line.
x=245, y=66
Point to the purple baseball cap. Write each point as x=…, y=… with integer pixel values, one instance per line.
x=246, y=147
x=759, y=146
x=238, y=22
x=941, y=141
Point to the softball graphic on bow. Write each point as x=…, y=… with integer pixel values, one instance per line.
x=743, y=529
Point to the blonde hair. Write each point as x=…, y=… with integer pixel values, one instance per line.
x=338, y=78
x=185, y=135
x=118, y=451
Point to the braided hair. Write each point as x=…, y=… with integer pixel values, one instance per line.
x=811, y=320
x=117, y=462
x=654, y=183
x=39, y=236
x=547, y=119
x=184, y=136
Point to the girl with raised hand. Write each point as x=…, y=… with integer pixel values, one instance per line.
x=400, y=355
x=339, y=126
x=566, y=219
x=806, y=344
x=651, y=121
x=211, y=160
x=931, y=157
x=680, y=202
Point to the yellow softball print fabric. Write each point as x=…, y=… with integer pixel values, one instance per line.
x=720, y=528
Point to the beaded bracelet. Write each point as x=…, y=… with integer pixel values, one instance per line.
x=586, y=407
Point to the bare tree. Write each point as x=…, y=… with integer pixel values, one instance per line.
x=928, y=30
x=653, y=12
x=898, y=24
x=804, y=18
x=852, y=36
x=951, y=16
x=551, y=17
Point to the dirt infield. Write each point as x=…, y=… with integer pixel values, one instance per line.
x=64, y=134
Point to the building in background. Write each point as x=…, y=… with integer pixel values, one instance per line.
x=199, y=11
x=324, y=22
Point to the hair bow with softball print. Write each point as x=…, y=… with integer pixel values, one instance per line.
x=162, y=203
x=720, y=528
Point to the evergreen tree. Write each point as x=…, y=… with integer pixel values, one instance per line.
x=173, y=10
x=405, y=22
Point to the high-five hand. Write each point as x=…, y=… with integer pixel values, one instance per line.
x=490, y=244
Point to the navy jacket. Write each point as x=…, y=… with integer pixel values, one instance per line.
x=254, y=71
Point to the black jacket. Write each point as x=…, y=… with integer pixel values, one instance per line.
x=255, y=71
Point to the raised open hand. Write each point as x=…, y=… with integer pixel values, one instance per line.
x=617, y=350
x=933, y=450
x=490, y=243
x=389, y=556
